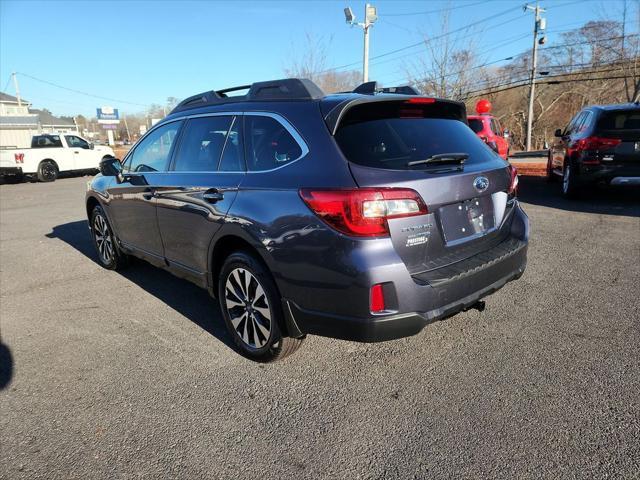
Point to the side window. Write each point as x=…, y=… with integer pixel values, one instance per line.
x=497, y=129
x=574, y=123
x=584, y=123
x=268, y=144
x=233, y=156
x=152, y=153
x=76, y=142
x=202, y=143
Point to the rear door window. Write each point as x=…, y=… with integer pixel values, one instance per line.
x=392, y=139
x=268, y=144
x=202, y=144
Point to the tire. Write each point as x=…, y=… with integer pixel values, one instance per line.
x=252, y=311
x=109, y=254
x=47, y=171
x=569, y=182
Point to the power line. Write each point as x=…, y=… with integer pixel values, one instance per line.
x=422, y=42
x=7, y=84
x=514, y=56
x=79, y=91
x=547, y=79
x=432, y=11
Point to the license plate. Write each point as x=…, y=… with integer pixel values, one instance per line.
x=466, y=219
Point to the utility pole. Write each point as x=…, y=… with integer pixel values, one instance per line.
x=15, y=84
x=539, y=25
x=370, y=16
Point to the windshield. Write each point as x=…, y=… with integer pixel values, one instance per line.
x=392, y=143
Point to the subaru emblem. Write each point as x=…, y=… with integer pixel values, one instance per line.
x=481, y=183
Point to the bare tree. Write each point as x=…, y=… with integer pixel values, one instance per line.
x=449, y=66
x=312, y=63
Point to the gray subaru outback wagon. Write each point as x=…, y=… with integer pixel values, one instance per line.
x=363, y=215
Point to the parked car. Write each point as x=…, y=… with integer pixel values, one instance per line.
x=488, y=128
x=51, y=154
x=358, y=216
x=601, y=144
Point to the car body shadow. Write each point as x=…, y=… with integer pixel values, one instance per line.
x=622, y=201
x=183, y=296
x=6, y=366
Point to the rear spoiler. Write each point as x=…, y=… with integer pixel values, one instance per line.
x=333, y=117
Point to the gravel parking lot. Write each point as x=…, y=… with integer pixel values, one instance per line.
x=132, y=375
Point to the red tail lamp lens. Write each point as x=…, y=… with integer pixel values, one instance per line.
x=421, y=100
x=377, y=299
x=513, y=182
x=363, y=212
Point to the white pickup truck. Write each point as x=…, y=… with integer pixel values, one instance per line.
x=51, y=154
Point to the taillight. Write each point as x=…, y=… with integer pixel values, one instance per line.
x=591, y=144
x=513, y=181
x=420, y=100
x=596, y=143
x=363, y=212
x=18, y=157
x=377, y=303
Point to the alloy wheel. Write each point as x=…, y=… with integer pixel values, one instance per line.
x=248, y=308
x=48, y=171
x=103, y=238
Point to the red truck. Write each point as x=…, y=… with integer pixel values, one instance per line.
x=488, y=128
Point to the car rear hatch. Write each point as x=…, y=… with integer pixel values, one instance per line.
x=426, y=145
x=617, y=137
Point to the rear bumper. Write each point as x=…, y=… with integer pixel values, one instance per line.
x=616, y=175
x=10, y=171
x=390, y=327
x=422, y=299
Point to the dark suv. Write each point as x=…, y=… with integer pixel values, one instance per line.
x=361, y=216
x=601, y=144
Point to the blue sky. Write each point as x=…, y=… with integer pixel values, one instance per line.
x=143, y=52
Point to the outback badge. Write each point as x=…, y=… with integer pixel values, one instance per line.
x=481, y=183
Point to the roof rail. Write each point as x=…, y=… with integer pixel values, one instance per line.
x=371, y=88
x=284, y=89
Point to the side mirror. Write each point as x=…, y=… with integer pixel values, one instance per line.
x=506, y=133
x=111, y=167
x=91, y=146
x=558, y=133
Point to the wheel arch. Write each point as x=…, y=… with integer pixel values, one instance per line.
x=91, y=203
x=49, y=160
x=228, y=243
x=223, y=247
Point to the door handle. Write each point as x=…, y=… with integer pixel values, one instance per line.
x=212, y=196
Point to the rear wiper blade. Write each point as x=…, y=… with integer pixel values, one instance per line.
x=457, y=158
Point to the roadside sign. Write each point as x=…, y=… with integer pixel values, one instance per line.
x=109, y=126
x=107, y=115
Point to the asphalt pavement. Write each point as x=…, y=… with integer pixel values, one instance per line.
x=109, y=375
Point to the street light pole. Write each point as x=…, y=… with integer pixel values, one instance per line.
x=365, y=60
x=538, y=25
x=370, y=16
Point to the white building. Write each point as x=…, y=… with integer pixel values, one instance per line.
x=18, y=122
